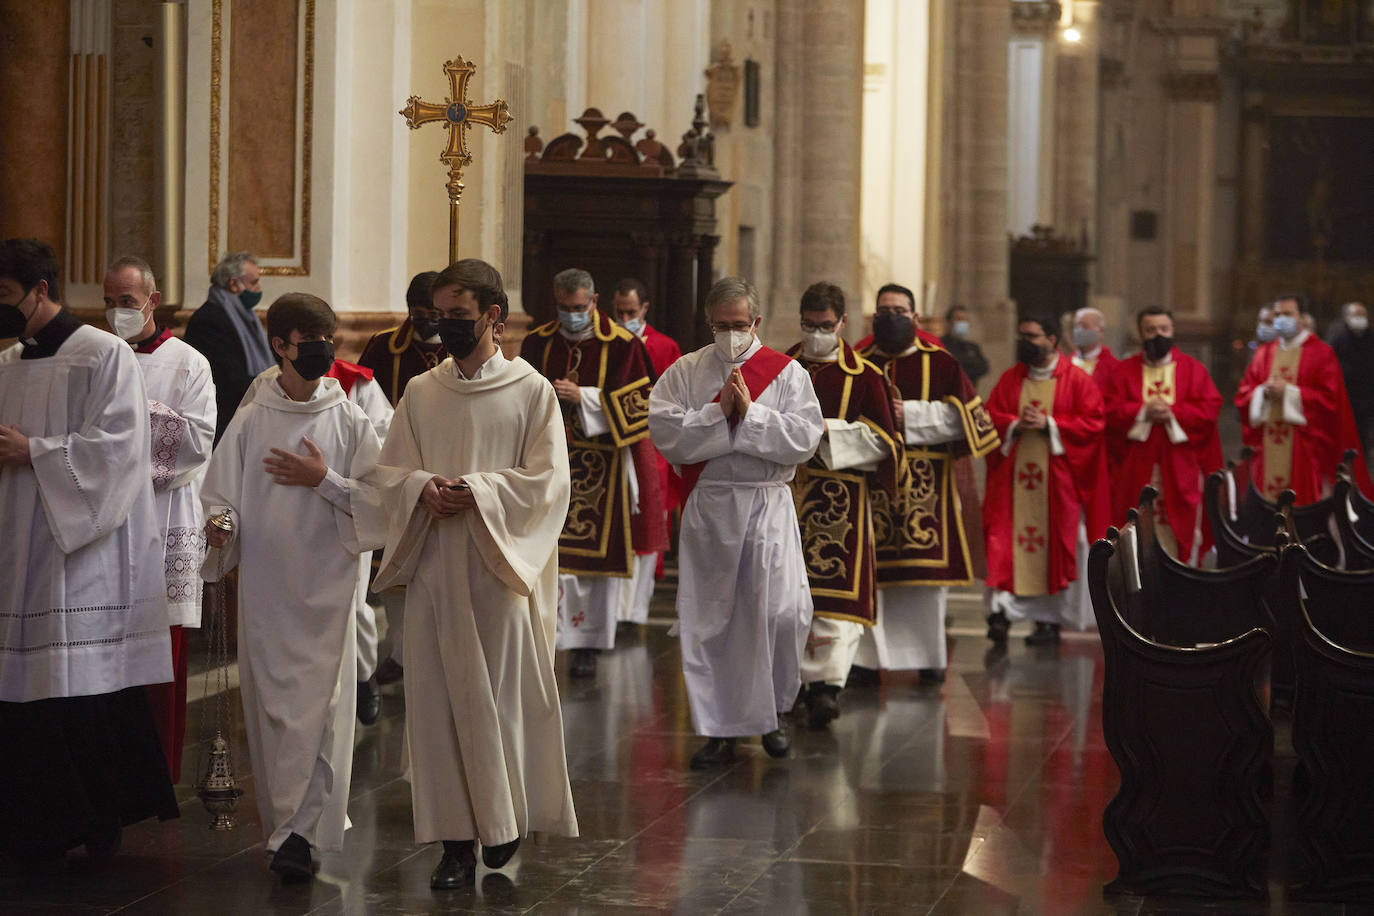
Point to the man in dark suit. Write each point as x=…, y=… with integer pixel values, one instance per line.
x=229, y=334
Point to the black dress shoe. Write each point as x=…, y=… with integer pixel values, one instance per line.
x=715, y=752
x=860, y=676
x=777, y=742
x=1045, y=634
x=456, y=868
x=497, y=856
x=998, y=626
x=389, y=672
x=822, y=704
x=582, y=663
x=292, y=860
x=931, y=675
x=369, y=700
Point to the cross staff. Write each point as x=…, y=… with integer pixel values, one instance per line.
x=459, y=113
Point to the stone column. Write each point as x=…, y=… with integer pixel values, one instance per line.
x=787, y=173
x=1075, y=127
x=977, y=240
x=35, y=56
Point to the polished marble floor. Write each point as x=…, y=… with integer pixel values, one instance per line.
x=984, y=796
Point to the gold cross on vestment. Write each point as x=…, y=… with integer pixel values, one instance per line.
x=458, y=112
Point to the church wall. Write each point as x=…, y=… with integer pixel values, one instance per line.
x=134, y=127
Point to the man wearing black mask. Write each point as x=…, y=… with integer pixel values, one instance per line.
x=1162, y=413
x=1047, y=489
x=229, y=334
x=922, y=543
x=398, y=354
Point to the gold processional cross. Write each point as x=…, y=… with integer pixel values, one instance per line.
x=460, y=114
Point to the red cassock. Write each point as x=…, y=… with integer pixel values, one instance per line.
x=1183, y=466
x=1077, y=479
x=1101, y=368
x=663, y=352
x=1317, y=447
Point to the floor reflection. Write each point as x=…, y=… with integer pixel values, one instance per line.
x=982, y=796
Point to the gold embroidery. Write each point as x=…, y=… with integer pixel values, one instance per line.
x=1030, y=511
x=594, y=469
x=1157, y=383
x=832, y=508
x=628, y=409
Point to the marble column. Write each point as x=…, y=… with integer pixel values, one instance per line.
x=788, y=198
x=34, y=60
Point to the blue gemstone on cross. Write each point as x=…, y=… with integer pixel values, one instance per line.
x=457, y=112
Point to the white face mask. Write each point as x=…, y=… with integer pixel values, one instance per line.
x=732, y=344
x=816, y=344
x=127, y=324
x=1357, y=323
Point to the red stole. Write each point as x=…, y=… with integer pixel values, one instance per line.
x=348, y=374
x=759, y=371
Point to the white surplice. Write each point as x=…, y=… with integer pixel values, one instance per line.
x=743, y=598
x=181, y=409
x=83, y=602
x=484, y=730
x=298, y=556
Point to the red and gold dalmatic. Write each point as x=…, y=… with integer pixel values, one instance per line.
x=396, y=356
x=920, y=531
x=834, y=507
x=602, y=533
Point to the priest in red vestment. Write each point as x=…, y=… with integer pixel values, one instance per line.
x=1090, y=353
x=1162, y=417
x=1295, y=413
x=601, y=374
x=1047, y=489
x=859, y=455
x=630, y=308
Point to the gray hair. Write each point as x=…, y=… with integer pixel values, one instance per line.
x=571, y=280
x=230, y=268
x=1349, y=307
x=145, y=271
x=1090, y=312
x=728, y=289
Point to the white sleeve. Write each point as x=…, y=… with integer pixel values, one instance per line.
x=788, y=435
x=594, y=420
x=1010, y=438
x=1257, y=406
x=1176, y=434
x=684, y=434
x=931, y=422
x=1140, y=429
x=1292, y=406
x=368, y=395
x=335, y=489
x=1056, y=444
x=851, y=446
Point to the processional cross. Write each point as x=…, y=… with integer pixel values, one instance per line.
x=458, y=112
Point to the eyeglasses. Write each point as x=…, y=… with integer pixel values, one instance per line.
x=809, y=328
x=735, y=326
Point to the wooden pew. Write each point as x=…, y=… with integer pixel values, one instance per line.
x=1189, y=734
x=1357, y=549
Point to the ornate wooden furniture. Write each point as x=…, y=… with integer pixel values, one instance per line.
x=1358, y=550
x=1187, y=730
x=619, y=208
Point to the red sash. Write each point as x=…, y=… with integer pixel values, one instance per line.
x=348, y=374
x=759, y=371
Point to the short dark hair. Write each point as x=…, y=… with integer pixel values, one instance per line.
x=1152, y=310
x=629, y=285
x=896, y=288
x=1299, y=297
x=819, y=296
x=949, y=312
x=1049, y=324
x=27, y=261
x=419, y=292
x=478, y=276
x=299, y=312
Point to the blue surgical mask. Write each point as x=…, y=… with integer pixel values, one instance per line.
x=1086, y=338
x=1286, y=326
x=575, y=322
x=634, y=325
x=961, y=329
x=1265, y=333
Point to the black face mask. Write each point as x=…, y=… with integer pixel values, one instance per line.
x=894, y=333
x=313, y=359
x=425, y=328
x=1156, y=348
x=12, y=318
x=459, y=335
x=1028, y=352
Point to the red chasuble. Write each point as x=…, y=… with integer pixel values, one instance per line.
x=1301, y=458
x=396, y=356
x=1186, y=387
x=1099, y=368
x=1033, y=501
x=601, y=533
x=921, y=533
x=833, y=507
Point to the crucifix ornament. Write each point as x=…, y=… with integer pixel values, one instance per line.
x=458, y=113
